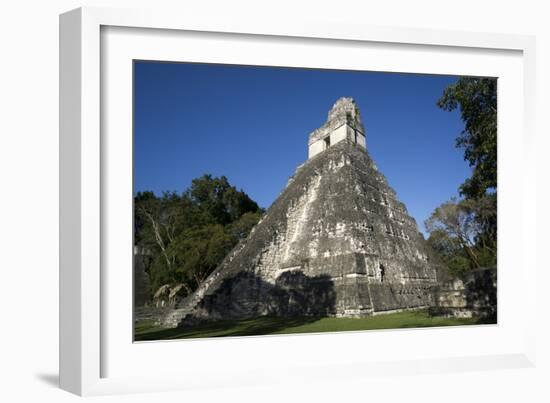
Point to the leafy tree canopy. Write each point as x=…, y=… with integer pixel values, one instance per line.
x=476, y=98
x=189, y=234
x=457, y=234
x=464, y=233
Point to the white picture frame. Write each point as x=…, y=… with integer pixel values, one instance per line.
x=88, y=323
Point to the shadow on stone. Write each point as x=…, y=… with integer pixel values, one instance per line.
x=246, y=295
x=481, y=294
x=473, y=295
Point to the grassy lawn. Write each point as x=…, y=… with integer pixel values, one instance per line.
x=145, y=330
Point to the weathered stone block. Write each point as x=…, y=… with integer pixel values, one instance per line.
x=473, y=295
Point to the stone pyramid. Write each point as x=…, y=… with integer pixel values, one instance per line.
x=336, y=242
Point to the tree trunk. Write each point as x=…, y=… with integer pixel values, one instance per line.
x=158, y=238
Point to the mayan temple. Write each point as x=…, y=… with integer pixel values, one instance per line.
x=336, y=242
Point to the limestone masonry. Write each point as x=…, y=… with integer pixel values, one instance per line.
x=343, y=124
x=336, y=242
x=473, y=295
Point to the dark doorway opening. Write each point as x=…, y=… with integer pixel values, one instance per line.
x=382, y=272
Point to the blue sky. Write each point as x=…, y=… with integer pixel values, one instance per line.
x=251, y=124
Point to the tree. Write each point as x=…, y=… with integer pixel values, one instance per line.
x=218, y=200
x=477, y=100
x=239, y=229
x=464, y=233
x=456, y=221
x=458, y=234
x=157, y=221
x=188, y=235
x=199, y=251
x=450, y=253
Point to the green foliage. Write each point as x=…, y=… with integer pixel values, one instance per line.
x=485, y=210
x=219, y=201
x=477, y=100
x=240, y=228
x=199, y=250
x=464, y=233
x=458, y=234
x=449, y=252
x=188, y=235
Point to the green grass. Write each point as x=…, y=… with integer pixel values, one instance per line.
x=146, y=330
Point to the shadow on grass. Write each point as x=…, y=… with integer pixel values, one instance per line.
x=245, y=327
x=271, y=325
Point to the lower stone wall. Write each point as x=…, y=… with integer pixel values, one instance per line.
x=294, y=294
x=150, y=313
x=390, y=297
x=474, y=295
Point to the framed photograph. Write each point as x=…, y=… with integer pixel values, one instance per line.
x=244, y=201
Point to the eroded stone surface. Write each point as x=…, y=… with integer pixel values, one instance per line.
x=343, y=124
x=336, y=242
x=474, y=295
